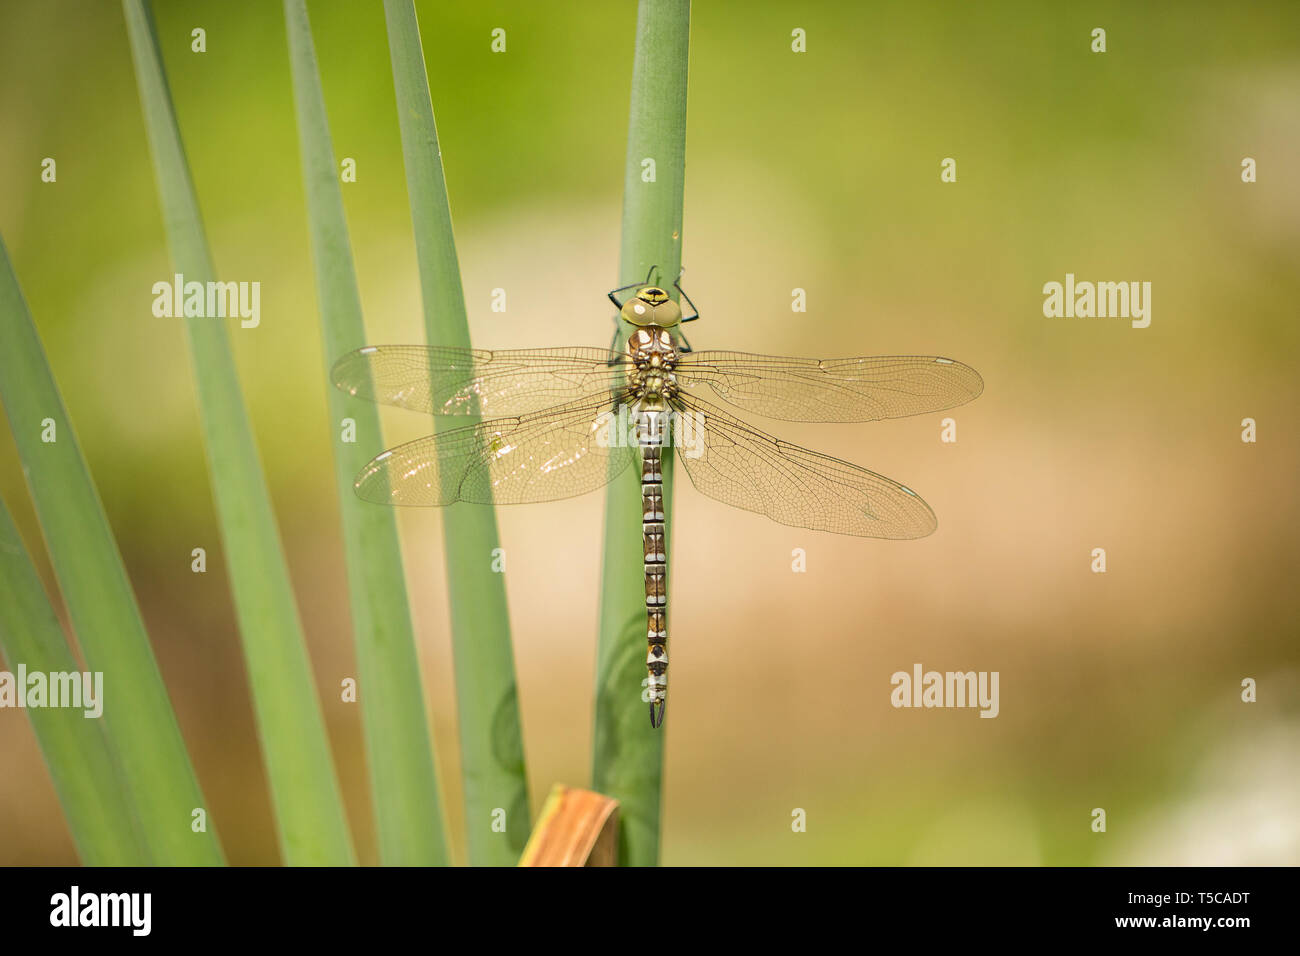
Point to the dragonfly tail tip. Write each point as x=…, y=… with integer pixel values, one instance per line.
x=656, y=713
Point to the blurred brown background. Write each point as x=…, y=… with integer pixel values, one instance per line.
x=819, y=171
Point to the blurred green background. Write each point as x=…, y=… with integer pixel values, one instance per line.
x=818, y=171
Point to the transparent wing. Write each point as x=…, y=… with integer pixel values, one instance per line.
x=832, y=390
x=742, y=466
x=449, y=381
x=556, y=453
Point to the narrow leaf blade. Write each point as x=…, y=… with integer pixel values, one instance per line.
x=403, y=776
x=138, y=719
x=304, y=792
x=492, y=752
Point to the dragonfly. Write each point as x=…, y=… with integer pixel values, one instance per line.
x=560, y=422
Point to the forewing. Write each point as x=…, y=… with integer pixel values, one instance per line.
x=556, y=453
x=451, y=381
x=832, y=390
x=744, y=467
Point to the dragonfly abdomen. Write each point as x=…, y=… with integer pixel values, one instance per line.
x=651, y=427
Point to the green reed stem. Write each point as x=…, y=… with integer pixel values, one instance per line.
x=628, y=753
x=403, y=776
x=138, y=721
x=491, y=741
x=103, y=824
x=304, y=791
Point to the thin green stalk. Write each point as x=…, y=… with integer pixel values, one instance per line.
x=491, y=742
x=103, y=825
x=304, y=791
x=628, y=753
x=403, y=776
x=138, y=720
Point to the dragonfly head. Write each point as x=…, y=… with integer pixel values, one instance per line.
x=651, y=306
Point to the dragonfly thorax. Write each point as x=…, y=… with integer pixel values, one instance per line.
x=652, y=378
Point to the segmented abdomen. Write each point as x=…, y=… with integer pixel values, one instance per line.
x=652, y=426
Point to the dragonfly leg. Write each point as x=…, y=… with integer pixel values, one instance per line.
x=613, y=295
x=694, y=308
